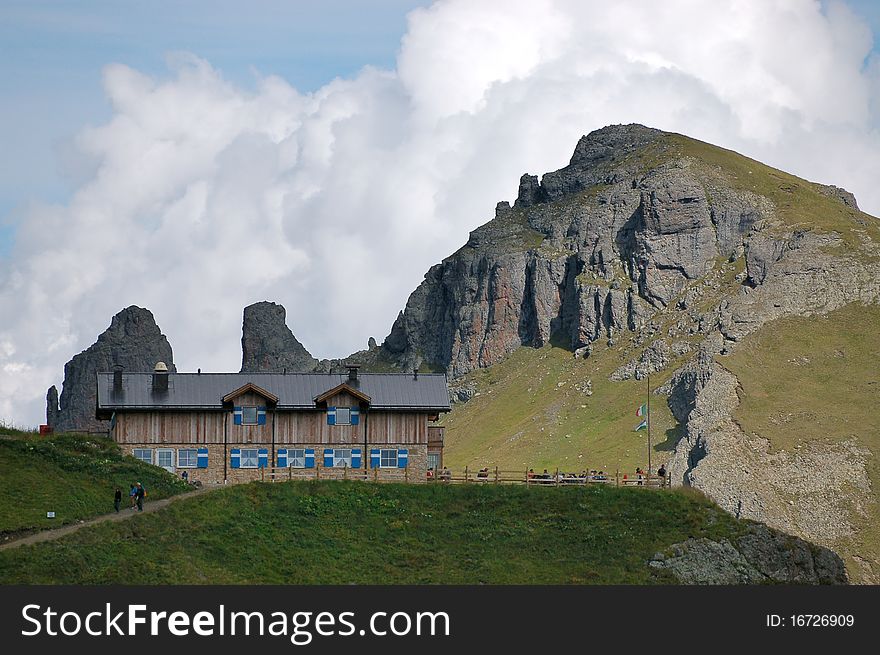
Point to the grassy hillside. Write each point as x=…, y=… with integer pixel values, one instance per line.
x=73, y=475
x=825, y=387
x=532, y=411
x=349, y=532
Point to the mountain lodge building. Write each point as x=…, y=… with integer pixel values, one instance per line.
x=230, y=427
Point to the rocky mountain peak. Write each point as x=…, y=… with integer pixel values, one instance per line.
x=268, y=345
x=603, y=146
x=133, y=341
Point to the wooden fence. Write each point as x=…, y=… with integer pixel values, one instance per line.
x=465, y=476
x=555, y=479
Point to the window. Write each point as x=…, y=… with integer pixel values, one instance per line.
x=388, y=458
x=249, y=458
x=343, y=416
x=249, y=416
x=342, y=458
x=165, y=458
x=296, y=459
x=144, y=454
x=187, y=458
x=434, y=461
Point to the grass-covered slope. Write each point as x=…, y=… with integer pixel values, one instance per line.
x=69, y=474
x=338, y=533
x=533, y=411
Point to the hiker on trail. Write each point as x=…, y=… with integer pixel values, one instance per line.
x=117, y=499
x=141, y=492
x=132, y=496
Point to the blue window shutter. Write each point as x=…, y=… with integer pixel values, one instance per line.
x=261, y=416
x=331, y=416
x=355, y=458
x=328, y=458
x=402, y=458
x=355, y=416
x=236, y=415
x=374, y=458
x=202, y=458
x=310, y=458
x=281, y=458
x=262, y=458
x=235, y=458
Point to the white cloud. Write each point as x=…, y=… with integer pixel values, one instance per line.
x=202, y=197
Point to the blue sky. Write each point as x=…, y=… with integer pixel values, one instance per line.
x=54, y=53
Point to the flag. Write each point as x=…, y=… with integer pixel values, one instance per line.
x=642, y=425
x=642, y=411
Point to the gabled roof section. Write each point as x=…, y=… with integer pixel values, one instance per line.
x=253, y=388
x=339, y=388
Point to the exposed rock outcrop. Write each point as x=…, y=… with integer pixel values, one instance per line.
x=744, y=476
x=133, y=341
x=52, y=410
x=760, y=556
x=268, y=345
x=653, y=359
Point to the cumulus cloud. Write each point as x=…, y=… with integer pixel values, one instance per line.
x=202, y=197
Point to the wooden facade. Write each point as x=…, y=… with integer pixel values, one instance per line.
x=220, y=431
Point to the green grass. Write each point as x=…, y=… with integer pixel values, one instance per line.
x=350, y=532
x=530, y=413
x=72, y=475
x=825, y=387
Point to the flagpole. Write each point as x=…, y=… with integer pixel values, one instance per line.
x=649, y=425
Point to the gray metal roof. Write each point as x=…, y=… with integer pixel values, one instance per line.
x=294, y=390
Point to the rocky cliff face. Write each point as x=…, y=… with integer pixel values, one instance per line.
x=268, y=345
x=133, y=341
x=590, y=251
